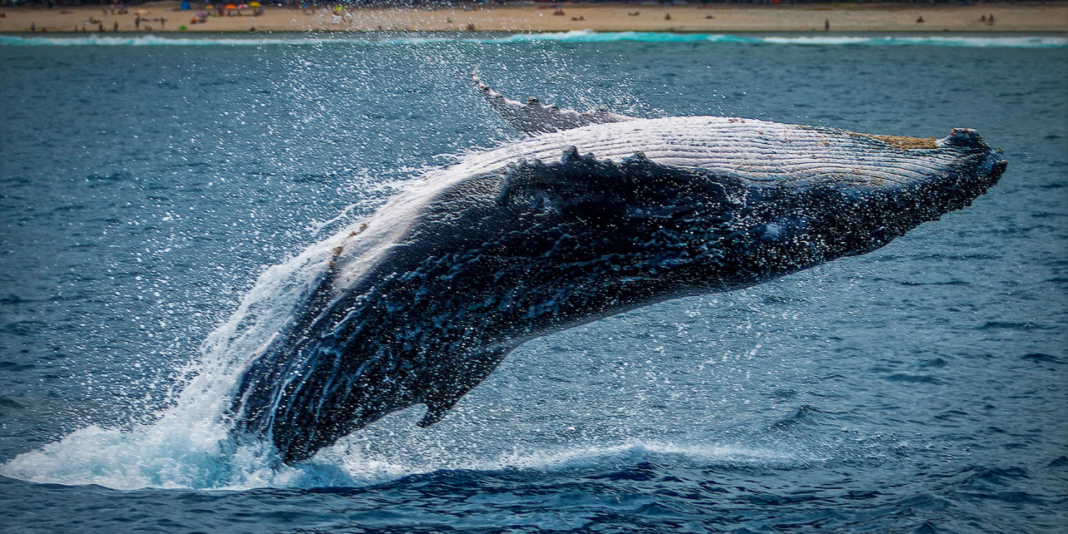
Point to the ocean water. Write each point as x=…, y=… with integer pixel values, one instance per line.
x=159, y=198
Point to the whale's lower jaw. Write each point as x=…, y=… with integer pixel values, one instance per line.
x=514, y=251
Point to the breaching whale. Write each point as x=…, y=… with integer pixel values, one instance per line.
x=592, y=215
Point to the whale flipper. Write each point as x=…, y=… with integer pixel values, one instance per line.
x=535, y=118
x=446, y=391
x=434, y=413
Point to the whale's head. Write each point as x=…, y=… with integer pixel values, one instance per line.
x=853, y=207
x=676, y=229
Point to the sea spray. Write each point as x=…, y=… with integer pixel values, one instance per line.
x=188, y=445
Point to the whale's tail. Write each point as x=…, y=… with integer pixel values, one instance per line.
x=536, y=118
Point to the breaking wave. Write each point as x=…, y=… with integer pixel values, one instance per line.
x=387, y=38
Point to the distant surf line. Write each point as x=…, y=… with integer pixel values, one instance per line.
x=389, y=38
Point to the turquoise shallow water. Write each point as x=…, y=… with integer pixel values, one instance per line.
x=147, y=189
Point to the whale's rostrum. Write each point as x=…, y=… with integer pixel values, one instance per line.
x=571, y=226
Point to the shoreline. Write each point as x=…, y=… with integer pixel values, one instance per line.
x=834, y=19
x=458, y=34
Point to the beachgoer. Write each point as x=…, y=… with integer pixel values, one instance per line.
x=137, y=22
x=982, y=18
x=667, y=17
x=827, y=25
x=920, y=20
x=991, y=19
x=115, y=28
x=33, y=26
x=161, y=22
x=101, y=27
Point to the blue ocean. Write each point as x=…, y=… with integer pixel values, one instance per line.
x=157, y=196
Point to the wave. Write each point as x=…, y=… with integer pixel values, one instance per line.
x=784, y=39
x=379, y=39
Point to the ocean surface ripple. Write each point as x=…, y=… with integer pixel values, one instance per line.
x=160, y=206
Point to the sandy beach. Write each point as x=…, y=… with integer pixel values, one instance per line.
x=543, y=17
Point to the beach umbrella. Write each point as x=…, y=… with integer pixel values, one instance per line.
x=242, y=6
x=254, y=4
x=231, y=6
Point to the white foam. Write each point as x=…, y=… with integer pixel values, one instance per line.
x=187, y=446
x=172, y=455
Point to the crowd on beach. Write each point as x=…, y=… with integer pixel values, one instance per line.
x=524, y=15
x=205, y=10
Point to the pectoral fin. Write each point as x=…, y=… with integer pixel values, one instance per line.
x=434, y=412
x=443, y=394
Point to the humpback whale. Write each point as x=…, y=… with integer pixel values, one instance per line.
x=591, y=215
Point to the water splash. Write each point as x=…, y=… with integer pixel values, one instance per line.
x=188, y=446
